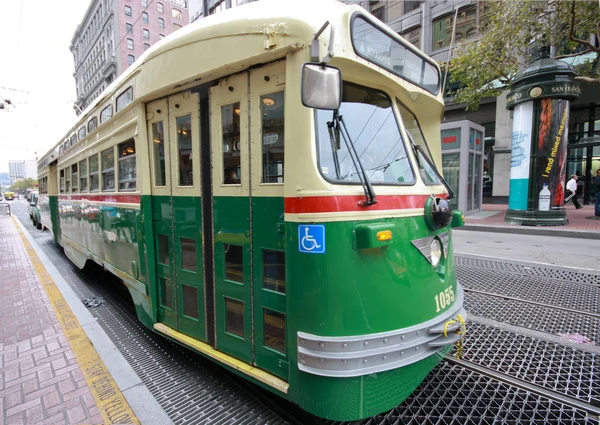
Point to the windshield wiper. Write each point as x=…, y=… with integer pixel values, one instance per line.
x=334, y=137
x=417, y=149
x=338, y=127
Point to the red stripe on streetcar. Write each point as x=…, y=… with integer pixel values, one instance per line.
x=328, y=204
x=121, y=199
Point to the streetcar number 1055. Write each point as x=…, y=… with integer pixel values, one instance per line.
x=444, y=299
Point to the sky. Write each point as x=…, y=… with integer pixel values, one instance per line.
x=36, y=74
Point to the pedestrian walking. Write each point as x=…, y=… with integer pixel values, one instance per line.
x=572, y=191
x=597, y=183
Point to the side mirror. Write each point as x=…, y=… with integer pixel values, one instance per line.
x=321, y=86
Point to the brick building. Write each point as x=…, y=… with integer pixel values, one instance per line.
x=113, y=34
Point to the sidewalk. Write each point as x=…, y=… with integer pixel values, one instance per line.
x=50, y=372
x=582, y=223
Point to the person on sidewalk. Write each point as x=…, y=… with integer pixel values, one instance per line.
x=572, y=191
x=597, y=183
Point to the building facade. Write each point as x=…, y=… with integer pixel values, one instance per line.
x=113, y=34
x=22, y=169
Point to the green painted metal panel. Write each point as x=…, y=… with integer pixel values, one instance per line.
x=270, y=310
x=233, y=288
x=187, y=261
x=349, y=291
x=162, y=222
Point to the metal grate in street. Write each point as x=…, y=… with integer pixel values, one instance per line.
x=562, y=293
x=543, y=272
x=539, y=318
x=453, y=395
x=553, y=366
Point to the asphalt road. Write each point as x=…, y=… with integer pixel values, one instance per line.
x=582, y=254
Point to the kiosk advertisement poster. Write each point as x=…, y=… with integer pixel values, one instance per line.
x=551, y=154
x=519, y=159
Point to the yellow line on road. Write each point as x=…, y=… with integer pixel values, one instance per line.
x=110, y=401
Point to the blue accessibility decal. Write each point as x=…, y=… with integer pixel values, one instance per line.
x=311, y=238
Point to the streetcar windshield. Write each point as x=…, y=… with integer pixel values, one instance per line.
x=373, y=128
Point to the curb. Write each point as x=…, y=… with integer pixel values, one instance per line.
x=141, y=401
x=531, y=230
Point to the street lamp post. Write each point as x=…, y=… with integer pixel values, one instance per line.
x=540, y=98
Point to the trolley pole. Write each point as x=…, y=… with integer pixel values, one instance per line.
x=540, y=97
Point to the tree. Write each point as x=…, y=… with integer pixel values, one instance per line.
x=23, y=185
x=487, y=66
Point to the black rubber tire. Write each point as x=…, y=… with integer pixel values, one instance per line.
x=38, y=225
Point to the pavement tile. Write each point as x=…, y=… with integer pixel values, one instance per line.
x=34, y=415
x=16, y=419
x=23, y=406
x=64, y=406
x=59, y=418
x=13, y=399
x=76, y=414
x=51, y=399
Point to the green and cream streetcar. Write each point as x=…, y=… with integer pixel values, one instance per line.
x=265, y=182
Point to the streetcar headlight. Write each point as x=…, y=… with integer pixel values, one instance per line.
x=436, y=252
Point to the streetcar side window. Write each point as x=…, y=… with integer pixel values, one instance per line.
x=230, y=127
x=413, y=128
x=127, y=170
x=125, y=98
x=94, y=178
x=184, y=146
x=62, y=181
x=108, y=169
x=106, y=114
x=67, y=180
x=81, y=133
x=83, y=175
x=274, y=270
x=273, y=137
x=234, y=263
x=92, y=124
x=158, y=137
x=274, y=331
x=73, y=140
x=75, y=178
x=234, y=317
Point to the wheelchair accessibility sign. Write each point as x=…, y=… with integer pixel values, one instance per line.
x=311, y=238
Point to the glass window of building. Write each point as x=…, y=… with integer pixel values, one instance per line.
x=128, y=27
x=176, y=27
x=146, y=46
x=160, y=7
x=161, y=23
x=130, y=44
x=146, y=34
x=413, y=36
x=377, y=9
x=466, y=26
x=130, y=59
x=127, y=11
x=144, y=3
x=411, y=5
x=144, y=17
x=161, y=36
x=177, y=14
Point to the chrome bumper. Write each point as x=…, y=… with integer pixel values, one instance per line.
x=349, y=356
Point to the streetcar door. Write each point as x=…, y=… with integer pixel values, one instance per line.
x=249, y=260
x=267, y=135
x=173, y=128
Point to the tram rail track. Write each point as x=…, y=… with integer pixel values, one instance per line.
x=525, y=385
x=528, y=301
